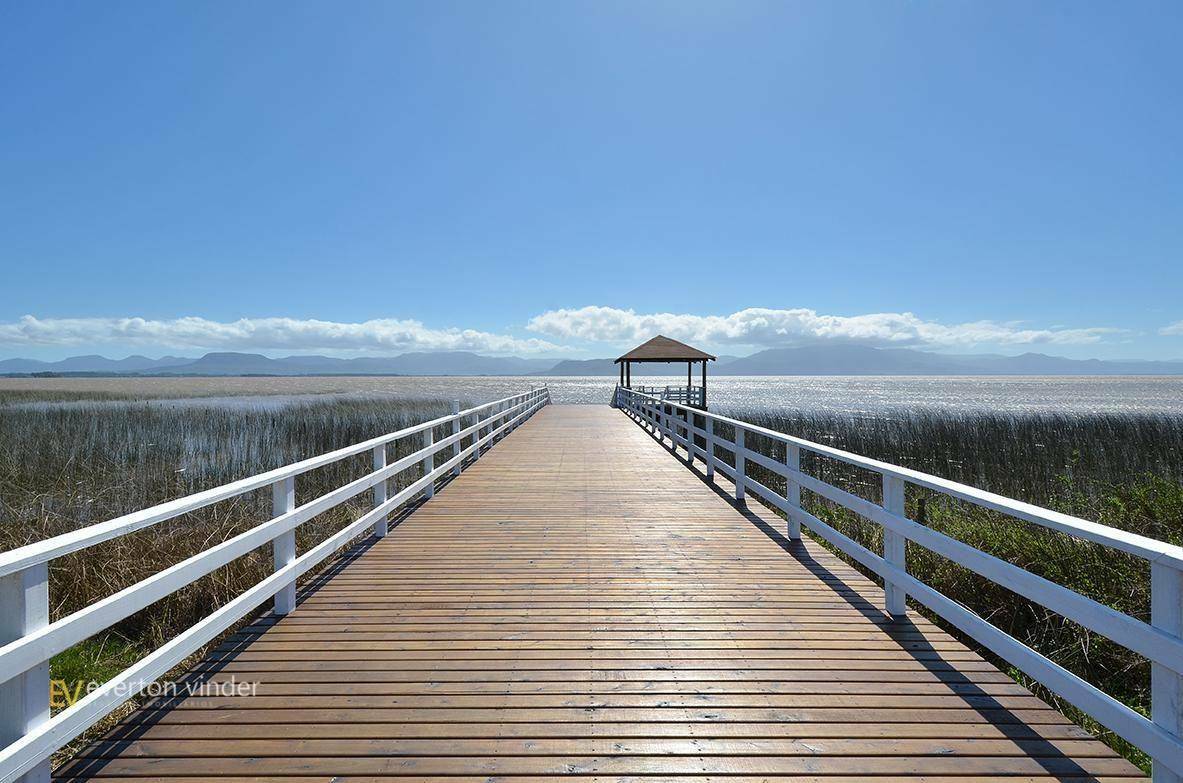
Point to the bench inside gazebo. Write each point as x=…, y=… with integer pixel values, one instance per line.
x=662, y=349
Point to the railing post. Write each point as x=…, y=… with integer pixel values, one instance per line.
x=1166, y=685
x=24, y=699
x=709, y=426
x=283, y=548
x=690, y=441
x=455, y=430
x=476, y=435
x=429, y=461
x=793, y=489
x=895, y=546
x=740, y=466
x=380, y=528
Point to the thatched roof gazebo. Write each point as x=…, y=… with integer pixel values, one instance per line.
x=665, y=350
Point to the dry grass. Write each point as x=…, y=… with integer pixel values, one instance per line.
x=1120, y=470
x=63, y=468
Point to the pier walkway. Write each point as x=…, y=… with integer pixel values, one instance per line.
x=579, y=603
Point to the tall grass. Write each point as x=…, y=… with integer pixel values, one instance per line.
x=65, y=467
x=1123, y=470
x=1025, y=456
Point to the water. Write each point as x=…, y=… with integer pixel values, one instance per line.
x=832, y=394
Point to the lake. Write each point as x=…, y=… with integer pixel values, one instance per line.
x=837, y=394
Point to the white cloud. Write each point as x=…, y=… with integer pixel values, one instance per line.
x=754, y=328
x=766, y=328
x=1172, y=329
x=262, y=334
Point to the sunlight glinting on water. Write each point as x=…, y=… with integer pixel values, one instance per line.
x=868, y=395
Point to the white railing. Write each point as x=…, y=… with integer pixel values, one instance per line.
x=1159, y=641
x=689, y=395
x=31, y=640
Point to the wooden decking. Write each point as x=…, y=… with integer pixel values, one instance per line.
x=578, y=603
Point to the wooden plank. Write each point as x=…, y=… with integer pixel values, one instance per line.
x=553, y=730
x=948, y=764
x=609, y=746
x=578, y=778
x=577, y=604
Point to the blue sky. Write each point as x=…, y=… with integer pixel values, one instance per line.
x=568, y=177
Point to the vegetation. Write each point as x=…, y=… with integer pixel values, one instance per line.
x=1118, y=469
x=67, y=466
x=39, y=396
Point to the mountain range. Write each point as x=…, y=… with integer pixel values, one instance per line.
x=229, y=363
x=838, y=359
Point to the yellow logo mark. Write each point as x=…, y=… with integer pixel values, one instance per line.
x=62, y=695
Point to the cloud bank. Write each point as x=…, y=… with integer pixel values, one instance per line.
x=768, y=328
x=1172, y=329
x=755, y=328
x=263, y=334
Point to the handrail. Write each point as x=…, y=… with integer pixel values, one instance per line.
x=32, y=640
x=51, y=548
x=689, y=394
x=1159, y=641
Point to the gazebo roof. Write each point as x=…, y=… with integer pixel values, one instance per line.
x=663, y=349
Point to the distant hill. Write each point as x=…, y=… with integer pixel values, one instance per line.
x=838, y=360
x=227, y=364
x=234, y=363
x=809, y=360
x=861, y=360
x=584, y=367
x=609, y=367
x=440, y=363
x=91, y=364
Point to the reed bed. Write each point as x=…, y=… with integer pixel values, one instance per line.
x=66, y=467
x=1123, y=470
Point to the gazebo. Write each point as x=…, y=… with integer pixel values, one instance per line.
x=663, y=349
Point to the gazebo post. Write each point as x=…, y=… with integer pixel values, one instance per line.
x=704, y=384
x=622, y=373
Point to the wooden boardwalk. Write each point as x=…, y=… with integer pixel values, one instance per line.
x=578, y=603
